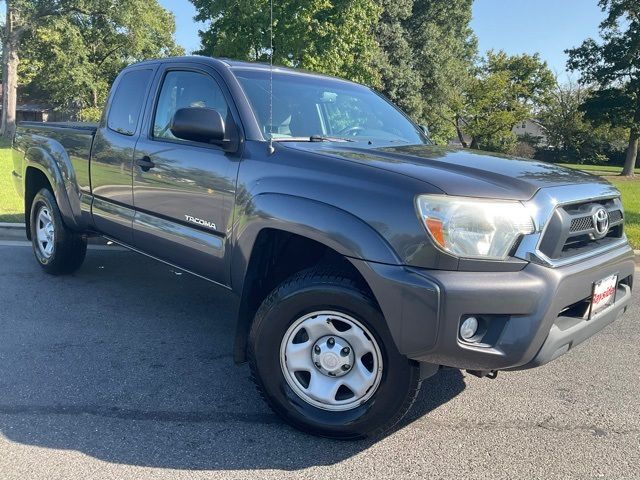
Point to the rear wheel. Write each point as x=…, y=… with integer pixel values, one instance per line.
x=322, y=357
x=58, y=249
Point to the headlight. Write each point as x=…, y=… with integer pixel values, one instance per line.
x=474, y=227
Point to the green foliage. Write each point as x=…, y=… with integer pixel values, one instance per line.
x=90, y=114
x=400, y=80
x=427, y=47
x=72, y=58
x=573, y=136
x=444, y=48
x=506, y=90
x=333, y=37
x=417, y=52
x=613, y=67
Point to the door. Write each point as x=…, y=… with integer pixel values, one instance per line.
x=112, y=155
x=184, y=191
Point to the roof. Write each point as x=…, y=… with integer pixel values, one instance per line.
x=34, y=106
x=232, y=64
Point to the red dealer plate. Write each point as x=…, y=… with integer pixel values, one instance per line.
x=604, y=294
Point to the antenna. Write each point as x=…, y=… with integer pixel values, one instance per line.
x=271, y=149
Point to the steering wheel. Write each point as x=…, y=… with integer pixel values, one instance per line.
x=350, y=131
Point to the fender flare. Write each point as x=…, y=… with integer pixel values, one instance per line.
x=50, y=157
x=331, y=226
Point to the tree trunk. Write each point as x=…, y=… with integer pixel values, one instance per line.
x=475, y=145
x=460, y=134
x=10, y=74
x=632, y=152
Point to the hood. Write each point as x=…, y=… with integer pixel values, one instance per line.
x=468, y=173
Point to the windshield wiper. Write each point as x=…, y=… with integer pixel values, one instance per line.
x=313, y=138
x=324, y=138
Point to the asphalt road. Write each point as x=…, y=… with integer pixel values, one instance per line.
x=124, y=371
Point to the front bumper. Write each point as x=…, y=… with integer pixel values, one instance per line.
x=533, y=315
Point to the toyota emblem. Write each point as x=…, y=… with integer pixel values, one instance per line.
x=601, y=222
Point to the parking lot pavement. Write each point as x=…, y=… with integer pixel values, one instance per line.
x=124, y=371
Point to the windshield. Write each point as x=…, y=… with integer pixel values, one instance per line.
x=328, y=109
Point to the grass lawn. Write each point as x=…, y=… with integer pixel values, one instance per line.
x=11, y=207
x=598, y=169
x=631, y=200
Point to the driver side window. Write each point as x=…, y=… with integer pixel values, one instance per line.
x=182, y=89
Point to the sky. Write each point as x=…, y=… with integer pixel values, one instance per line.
x=516, y=26
x=529, y=26
x=186, y=27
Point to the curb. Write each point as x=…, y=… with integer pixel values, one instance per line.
x=12, y=231
x=15, y=232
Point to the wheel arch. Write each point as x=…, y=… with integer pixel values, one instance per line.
x=303, y=232
x=49, y=159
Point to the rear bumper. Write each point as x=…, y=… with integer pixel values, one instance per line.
x=529, y=317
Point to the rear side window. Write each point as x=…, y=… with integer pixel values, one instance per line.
x=127, y=102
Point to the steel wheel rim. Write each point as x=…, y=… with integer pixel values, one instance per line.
x=308, y=359
x=45, y=232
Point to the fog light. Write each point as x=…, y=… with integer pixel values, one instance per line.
x=469, y=328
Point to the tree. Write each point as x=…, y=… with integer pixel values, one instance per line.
x=574, y=135
x=336, y=38
x=613, y=67
x=563, y=118
x=505, y=91
x=400, y=81
x=21, y=16
x=443, y=50
x=80, y=32
x=417, y=52
x=426, y=49
x=73, y=58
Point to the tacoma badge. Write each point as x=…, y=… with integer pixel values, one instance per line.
x=199, y=221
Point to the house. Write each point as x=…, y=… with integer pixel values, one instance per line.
x=530, y=128
x=33, y=111
x=533, y=129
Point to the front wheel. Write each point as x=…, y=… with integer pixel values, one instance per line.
x=58, y=249
x=322, y=357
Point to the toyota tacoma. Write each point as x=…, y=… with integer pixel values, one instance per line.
x=365, y=257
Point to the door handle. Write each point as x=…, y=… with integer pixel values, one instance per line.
x=145, y=163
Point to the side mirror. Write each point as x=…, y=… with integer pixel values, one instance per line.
x=198, y=125
x=425, y=130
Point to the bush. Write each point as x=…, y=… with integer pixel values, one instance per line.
x=90, y=114
x=524, y=150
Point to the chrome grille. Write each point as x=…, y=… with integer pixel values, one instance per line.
x=581, y=224
x=615, y=216
x=572, y=231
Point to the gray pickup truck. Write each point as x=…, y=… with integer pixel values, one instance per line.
x=365, y=258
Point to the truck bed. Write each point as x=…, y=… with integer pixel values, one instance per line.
x=84, y=126
x=75, y=138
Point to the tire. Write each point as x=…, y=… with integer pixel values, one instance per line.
x=314, y=297
x=58, y=249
